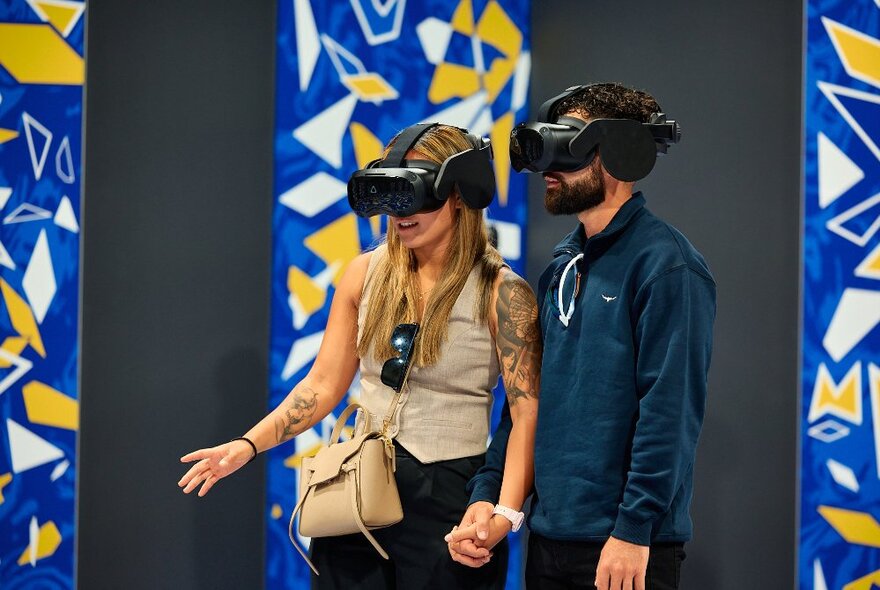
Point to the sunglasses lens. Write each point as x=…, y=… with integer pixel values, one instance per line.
x=394, y=369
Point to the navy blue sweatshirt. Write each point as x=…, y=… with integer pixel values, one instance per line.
x=623, y=385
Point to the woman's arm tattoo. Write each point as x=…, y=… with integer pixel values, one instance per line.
x=518, y=339
x=296, y=414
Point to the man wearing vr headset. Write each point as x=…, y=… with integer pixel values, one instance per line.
x=627, y=308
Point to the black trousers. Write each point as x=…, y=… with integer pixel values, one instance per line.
x=570, y=565
x=434, y=500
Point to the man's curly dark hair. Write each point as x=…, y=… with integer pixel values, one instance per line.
x=610, y=100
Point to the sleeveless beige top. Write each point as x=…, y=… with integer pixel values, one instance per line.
x=443, y=411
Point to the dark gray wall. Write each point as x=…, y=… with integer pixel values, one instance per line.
x=730, y=72
x=175, y=287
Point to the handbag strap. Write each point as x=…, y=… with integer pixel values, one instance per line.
x=352, y=486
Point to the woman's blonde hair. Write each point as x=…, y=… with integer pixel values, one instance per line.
x=393, y=284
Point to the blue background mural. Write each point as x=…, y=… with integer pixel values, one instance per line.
x=41, y=76
x=840, y=420
x=350, y=75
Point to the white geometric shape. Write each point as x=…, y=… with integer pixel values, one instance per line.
x=65, y=217
x=477, y=52
x=5, y=193
x=5, y=258
x=338, y=54
x=843, y=475
x=21, y=364
x=67, y=175
x=298, y=314
x=835, y=224
x=818, y=574
x=857, y=313
x=842, y=56
x=462, y=113
x=828, y=431
x=39, y=278
x=308, y=48
x=483, y=125
x=303, y=351
x=818, y=407
x=33, y=540
x=865, y=270
x=434, y=35
x=31, y=125
x=874, y=380
x=509, y=238
x=837, y=173
x=323, y=133
x=521, y=81
x=382, y=9
x=29, y=450
x=59, y=470
x=26, y=212
x=832, y=90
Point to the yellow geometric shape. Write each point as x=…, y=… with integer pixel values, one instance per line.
x=4, y=481
x=277, y=512
x=22, y=319
x=14, y=345
x=500, y=136
x=843, y=401
x=367, y=146
x=866, y=583
x=295, y=460
x=336, y=244
x=496, y=29
x=859, y=528
x=49, y=540
x=7, y=135
x=35, y=54
x=370, y=86
x=311, y=296
x=50, y=407
x=453, y=81
x=463, y=19
x=859, y=53
x=62, y=15
x=496, y=78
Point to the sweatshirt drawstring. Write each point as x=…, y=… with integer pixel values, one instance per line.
x=565, y=315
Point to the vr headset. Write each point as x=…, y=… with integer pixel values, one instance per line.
x=563, y=144
x=398, y=187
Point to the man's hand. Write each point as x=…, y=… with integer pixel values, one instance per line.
x=469, y=550
x=622, y=565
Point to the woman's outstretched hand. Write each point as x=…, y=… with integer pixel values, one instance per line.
x=214, y=464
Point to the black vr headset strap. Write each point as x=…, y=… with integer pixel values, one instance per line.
x=547, y=112
x=404, y=143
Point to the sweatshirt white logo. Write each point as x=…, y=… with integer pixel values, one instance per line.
x=609, y=299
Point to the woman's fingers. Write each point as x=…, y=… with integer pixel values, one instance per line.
x=209, y=483
x=195, y=481
x=195, y=456
x=193, y=472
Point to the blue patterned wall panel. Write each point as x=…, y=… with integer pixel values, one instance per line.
x=349, y=76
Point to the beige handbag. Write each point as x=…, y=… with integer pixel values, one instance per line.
x=349, y=487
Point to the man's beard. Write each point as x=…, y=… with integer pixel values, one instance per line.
x=570, y=198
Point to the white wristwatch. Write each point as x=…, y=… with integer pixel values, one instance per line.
x=515, y=518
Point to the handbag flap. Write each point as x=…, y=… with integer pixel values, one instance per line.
x=327, y=463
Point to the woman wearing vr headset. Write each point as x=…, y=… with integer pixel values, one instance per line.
x=477, y=319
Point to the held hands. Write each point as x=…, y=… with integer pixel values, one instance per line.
x=622, y=565
x=470, y=542
x=214, y=464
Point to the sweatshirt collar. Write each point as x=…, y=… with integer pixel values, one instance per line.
x=577, y=240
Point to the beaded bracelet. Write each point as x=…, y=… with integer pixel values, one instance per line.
x=251, y=443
